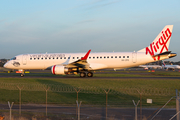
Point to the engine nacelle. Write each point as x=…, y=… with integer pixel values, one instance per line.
x=61, y=70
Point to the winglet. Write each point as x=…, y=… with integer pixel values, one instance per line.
x=86, y=56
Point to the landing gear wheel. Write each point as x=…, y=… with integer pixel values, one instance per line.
x=89, y=74
x=82, y=74
x=22, y=75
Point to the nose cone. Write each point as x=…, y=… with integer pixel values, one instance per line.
x=5, y=65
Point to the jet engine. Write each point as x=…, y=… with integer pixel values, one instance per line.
x=61, y=70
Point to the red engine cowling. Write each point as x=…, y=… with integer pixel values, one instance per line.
x=61, y=70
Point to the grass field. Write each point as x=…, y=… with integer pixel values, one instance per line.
x=122, y=90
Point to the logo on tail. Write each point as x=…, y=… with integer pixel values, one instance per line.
x=161, y=44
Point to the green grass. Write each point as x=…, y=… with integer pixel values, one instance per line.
x=167, y=73
x=122, y=91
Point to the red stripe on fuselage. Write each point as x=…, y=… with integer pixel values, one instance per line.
x=54, y=69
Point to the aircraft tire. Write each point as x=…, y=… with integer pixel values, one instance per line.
x=82, y=74
x=22, y=75
x=90, y=74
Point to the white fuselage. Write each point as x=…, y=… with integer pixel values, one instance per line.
x=104, y=60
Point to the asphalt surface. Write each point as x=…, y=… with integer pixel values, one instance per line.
x=98, y=113
x=48, y=74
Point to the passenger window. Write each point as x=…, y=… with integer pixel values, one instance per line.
x=115, y=56
x=73, y=57
x=57, y=58
x=42, y=58
x=93, y=57
x=89, y=57
x=64, y=57
x=77, y=57
x=45, y=58
x=111, y=56
x=104, y=56
x=49, y=58
x=127, y=56
x=107, y=56
x=30, y=58
x=123, y=56
x=97, y=57
x=68, y=57
x=100, y=57
x=119, y=56
x=34, y=58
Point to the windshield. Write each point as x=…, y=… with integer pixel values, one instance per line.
x=14, y=58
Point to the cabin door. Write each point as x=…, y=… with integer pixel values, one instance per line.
x=134, y=57
x=24, y=59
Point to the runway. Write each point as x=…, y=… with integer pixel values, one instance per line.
x=137, y=73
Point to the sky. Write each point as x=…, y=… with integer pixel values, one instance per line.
x=63, y=26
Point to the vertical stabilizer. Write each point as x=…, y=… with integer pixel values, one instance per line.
x=160, y=43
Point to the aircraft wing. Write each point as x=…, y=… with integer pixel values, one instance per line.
x=81, y=63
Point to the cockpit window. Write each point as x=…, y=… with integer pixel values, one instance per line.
x=14, y=58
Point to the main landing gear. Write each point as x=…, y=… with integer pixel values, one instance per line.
x=83, y=74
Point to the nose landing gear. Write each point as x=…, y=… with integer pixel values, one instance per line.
x=22, y=74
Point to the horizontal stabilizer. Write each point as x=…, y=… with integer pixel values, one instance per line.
x=164, y=53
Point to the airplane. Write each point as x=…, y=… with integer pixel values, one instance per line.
x=84, y=63
x=146, y=67
x=170, y=67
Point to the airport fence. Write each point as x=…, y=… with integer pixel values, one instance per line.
x=64, y=94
